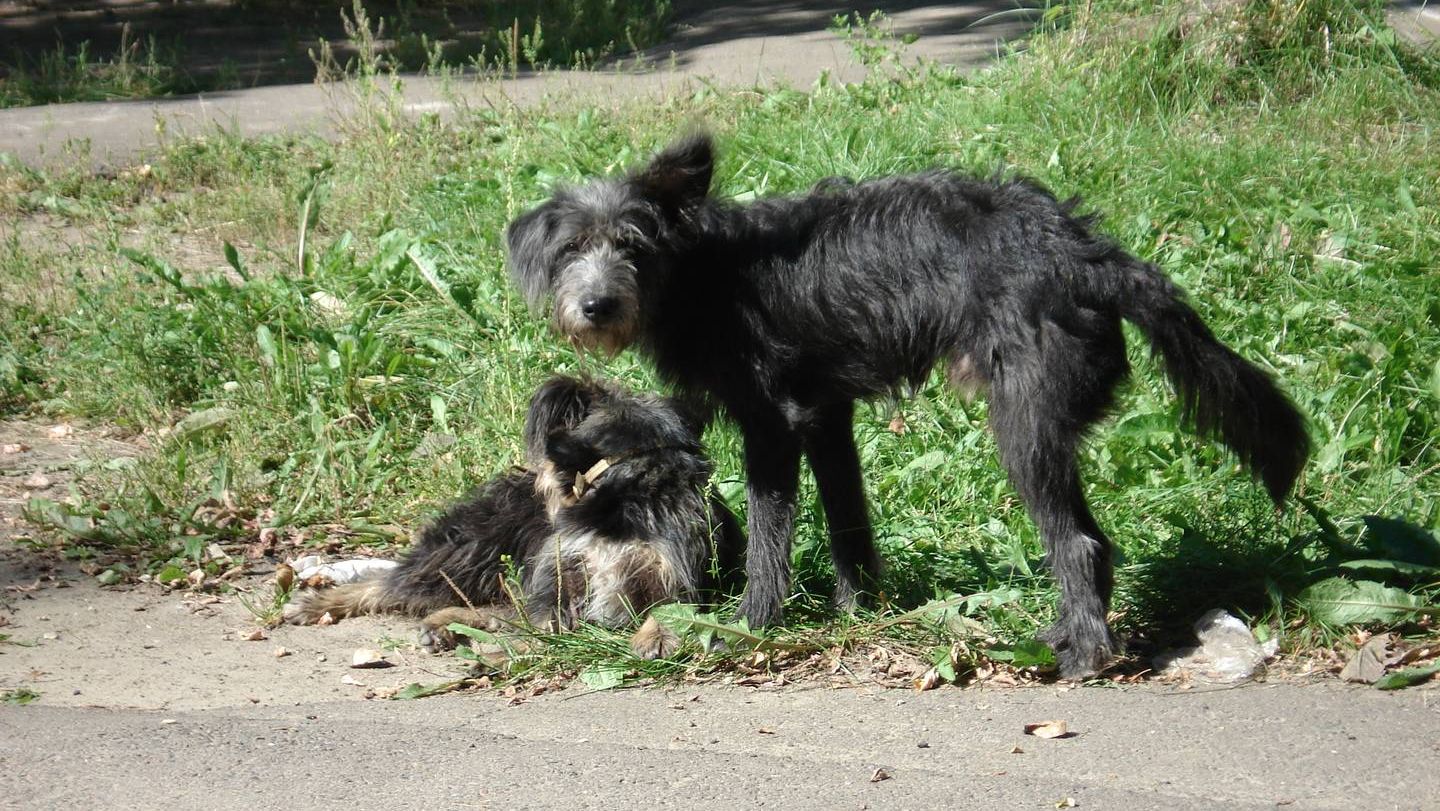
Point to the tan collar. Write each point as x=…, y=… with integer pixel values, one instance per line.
x=584, y=480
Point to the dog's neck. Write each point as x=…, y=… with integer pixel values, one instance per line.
x=584, y=480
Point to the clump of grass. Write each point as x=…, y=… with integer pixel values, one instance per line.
x=379, y=369
x=510, y=35
x=137, y=69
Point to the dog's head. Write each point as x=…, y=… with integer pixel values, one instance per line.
x=595, y=248
x=601, y=449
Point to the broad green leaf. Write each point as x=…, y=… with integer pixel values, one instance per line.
x=266, y=341
x=944, y=663
x=1408, y=677
x=170, y=574
x=1390, y=566
x=603, y=677
x=1401, y=541
x=1025, y=653
x=203, y=421
x=1338, y=601
x=925, y=463
x=415, y=690
x=232, y=256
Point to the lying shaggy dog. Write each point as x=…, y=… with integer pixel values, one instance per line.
x=611, y=518
x=786, y=310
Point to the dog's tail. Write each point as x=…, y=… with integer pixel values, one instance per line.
x=372, y=596
x=1222, y=395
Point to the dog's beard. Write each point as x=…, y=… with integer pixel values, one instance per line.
x=607, y=342
x=602, y=273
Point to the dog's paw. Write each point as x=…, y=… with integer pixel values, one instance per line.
x=1080, y=653
x=654, y=641
x=436, y=639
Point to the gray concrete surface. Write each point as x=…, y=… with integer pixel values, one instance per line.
x=1416, y=21
x=741, y=43
x=150, y=698
x=1321, y=746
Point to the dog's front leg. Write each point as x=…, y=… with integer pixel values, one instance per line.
x=772, y=470
x=830, y=447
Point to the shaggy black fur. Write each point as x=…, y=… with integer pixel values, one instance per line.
x=641, y=532
x=786, y=310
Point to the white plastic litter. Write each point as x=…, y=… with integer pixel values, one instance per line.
x=1227, y=652
x=341, y=571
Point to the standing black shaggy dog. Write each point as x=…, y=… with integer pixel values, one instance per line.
x=786, y=310
x=610, y=518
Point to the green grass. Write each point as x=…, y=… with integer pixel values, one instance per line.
x=136, y=70
x=1284, y=183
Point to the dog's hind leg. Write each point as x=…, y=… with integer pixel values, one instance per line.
x=1039, y=413
x=830, y=447
x=772, y=473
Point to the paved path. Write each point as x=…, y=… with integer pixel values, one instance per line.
x=1257, y=747
x=732, y=44
x=153, y=699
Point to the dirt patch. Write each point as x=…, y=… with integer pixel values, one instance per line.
x=79, y=644
x=40, y=460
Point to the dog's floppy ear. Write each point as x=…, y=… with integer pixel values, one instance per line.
x=680, y=175
x=531, y=245
x=560, y=404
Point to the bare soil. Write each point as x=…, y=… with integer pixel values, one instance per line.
x=77, y=643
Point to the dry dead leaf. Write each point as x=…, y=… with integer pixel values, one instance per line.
x=880, y=774
x=898, y=426
x=13, y=447
x=365, y=657
x=59, y=431
x=1048, y=729
x=284, y=577
x=36, y=481
x=1016, y=750
x=1367, y=664
x=1067, y=802
x=281, y=652
x=351, y=680
x=257, y=635
x=929, y=680
x=765, y=731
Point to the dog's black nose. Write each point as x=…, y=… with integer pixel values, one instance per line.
x=600, y=309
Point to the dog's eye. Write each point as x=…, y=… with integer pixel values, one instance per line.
x=574, y=245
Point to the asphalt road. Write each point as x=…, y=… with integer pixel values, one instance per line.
x=1260, y=746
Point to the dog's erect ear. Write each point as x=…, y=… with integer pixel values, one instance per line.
x=680, y=175
x=560, y=404
x=531, y=245
x=569, y=452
